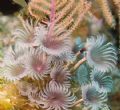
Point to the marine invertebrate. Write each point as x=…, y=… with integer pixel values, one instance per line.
x=104, y=4
x=82, y=75
x=60, y=75
x=100, y=55
x=25, y=37
x=12, y=55
x=15, y=71
x=51, y=72
x=92, y=98
x=14, y=68
x=62, y=8
x=34, y=96
x=37, y=64
x=81, y=7
x=56, y=97
x=101, y=81
x=56, y=45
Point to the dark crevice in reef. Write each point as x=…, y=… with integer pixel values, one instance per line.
x=8, y=7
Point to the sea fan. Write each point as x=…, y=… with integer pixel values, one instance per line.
x=101, y=81
x=74, y=11
x=100, y=55
x=92, y=98
x=105, y=7
x=117, y=3
x=56, y=97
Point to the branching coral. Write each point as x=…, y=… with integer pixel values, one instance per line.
x=72, y=11
x=64, y=16
x=104, y=4
x=117, y=3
